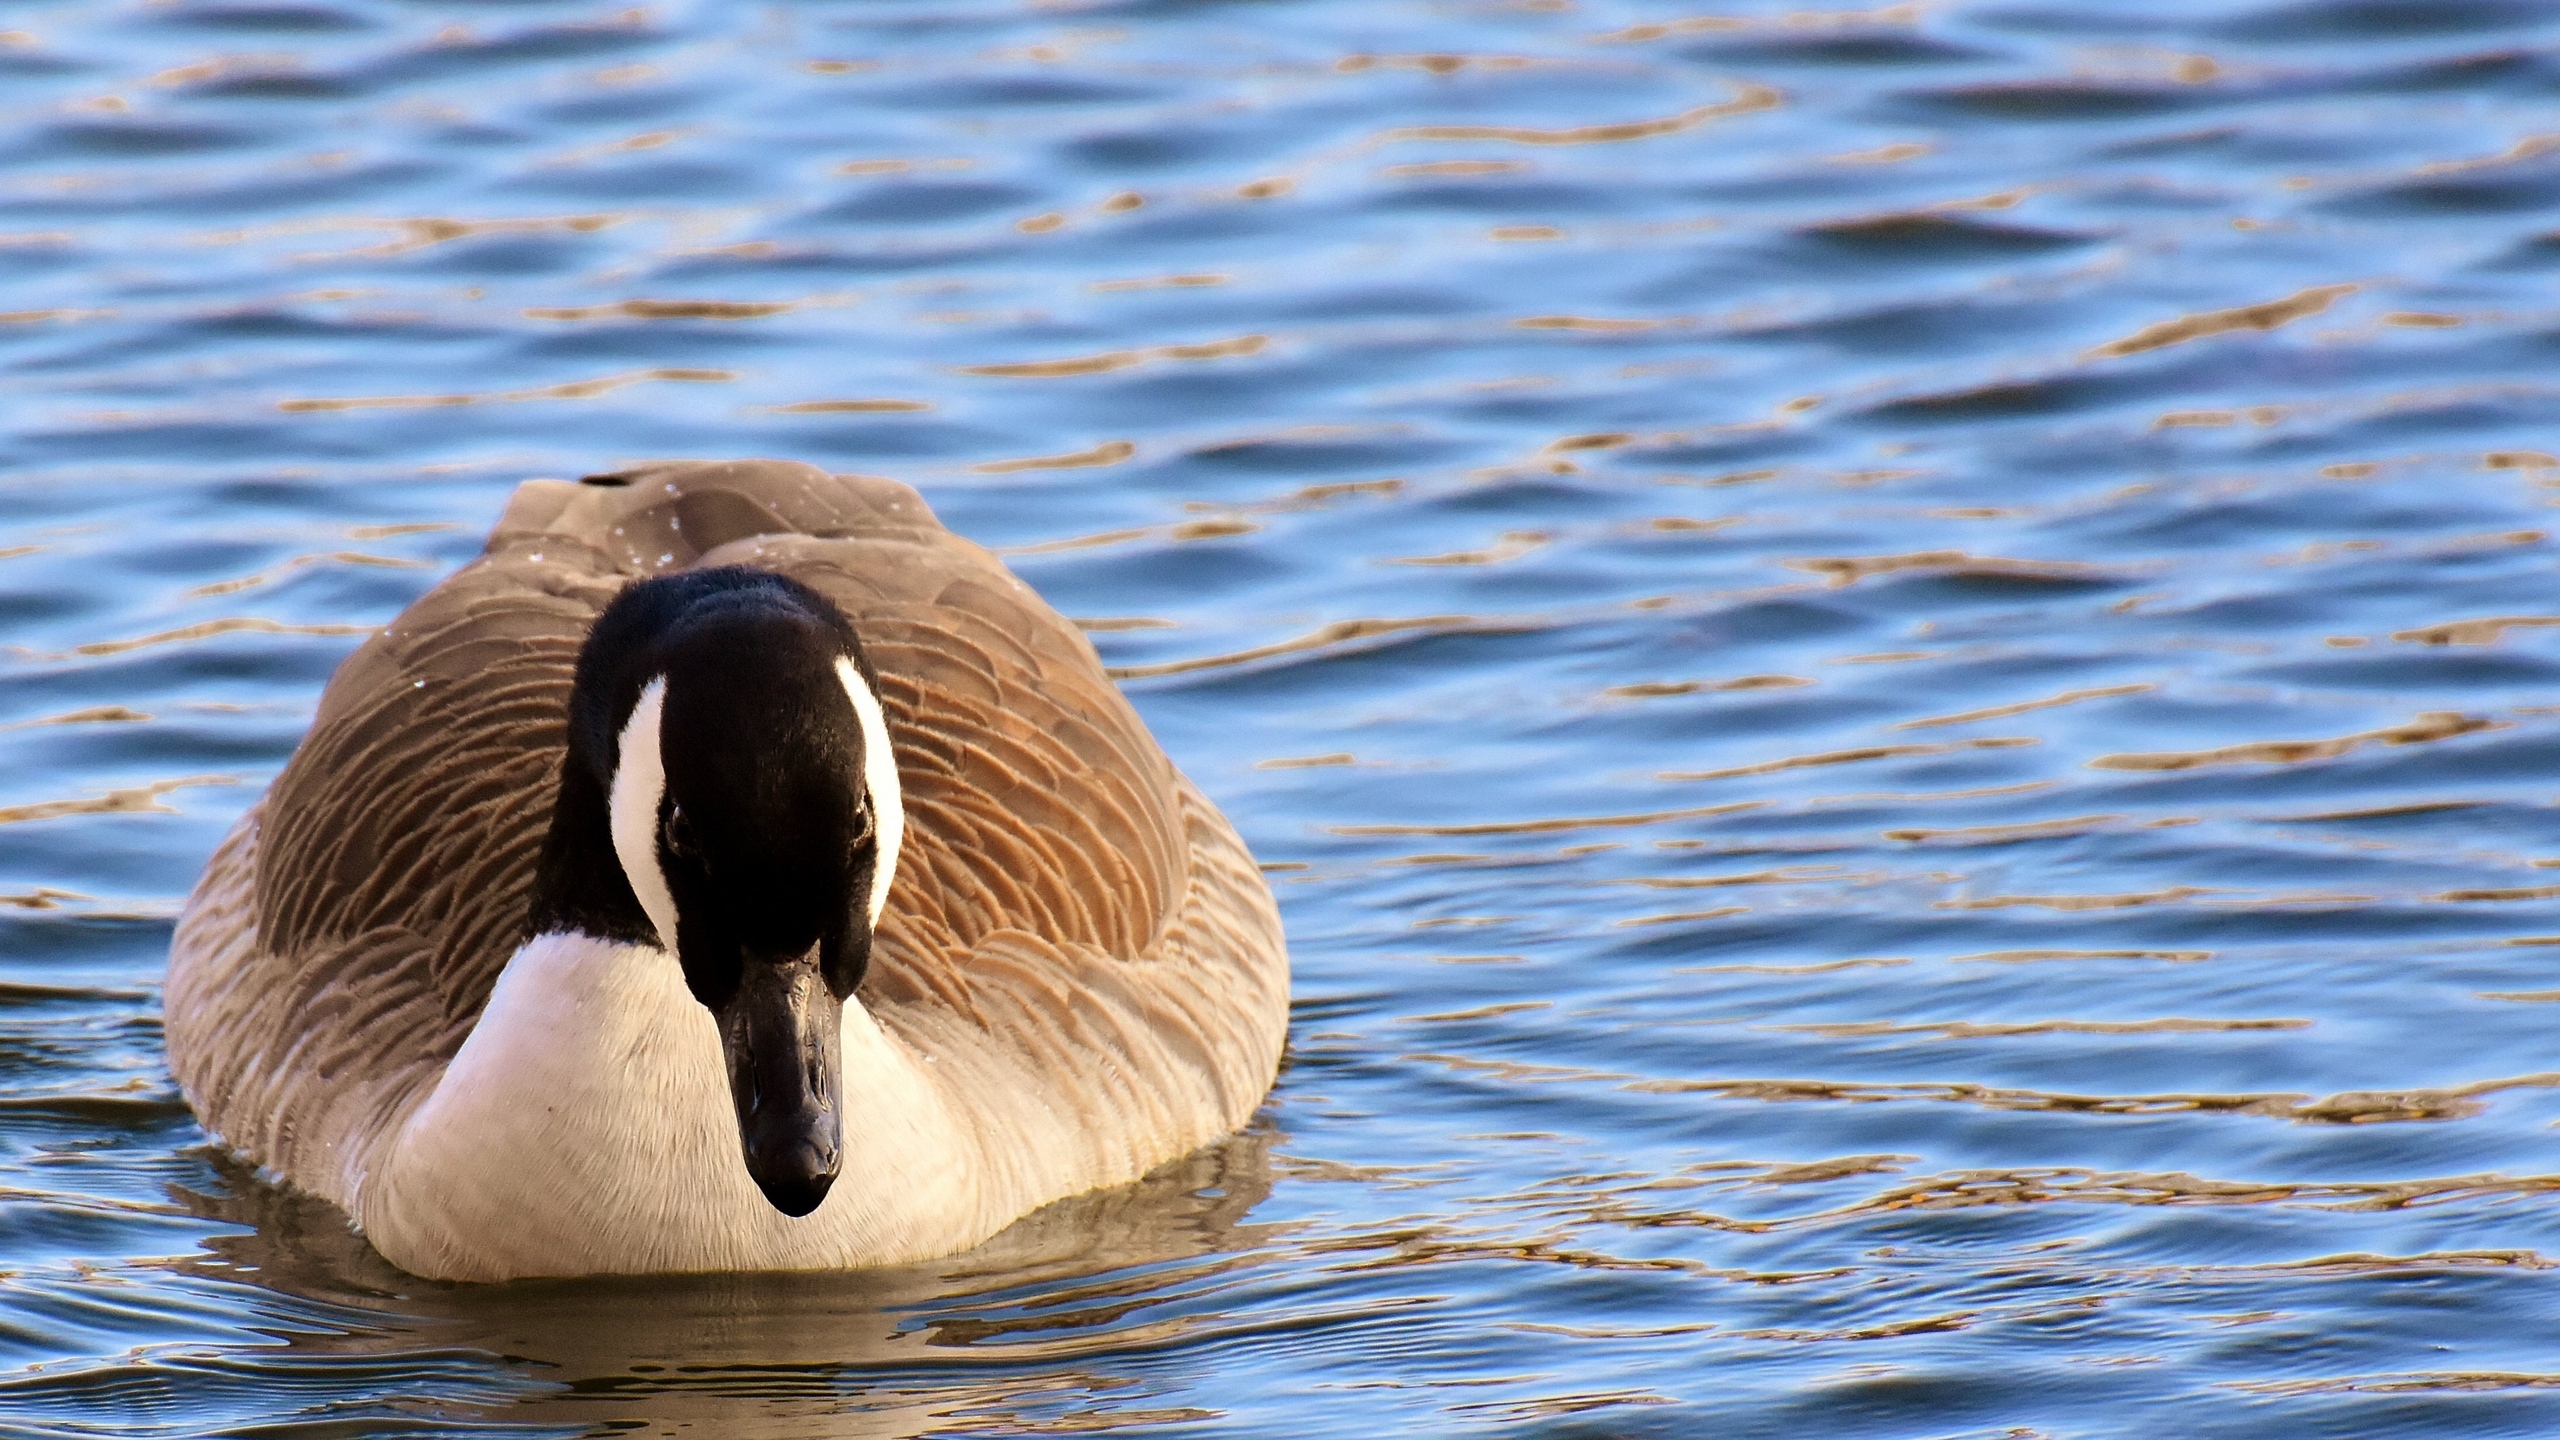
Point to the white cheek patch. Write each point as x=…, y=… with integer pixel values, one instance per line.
x=639, y=785
x=880, y=777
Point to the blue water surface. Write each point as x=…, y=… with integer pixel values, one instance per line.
x=1897, y=668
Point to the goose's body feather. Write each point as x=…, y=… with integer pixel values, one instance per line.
x=1078, y=974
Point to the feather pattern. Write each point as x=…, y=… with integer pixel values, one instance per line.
x=1079, y=973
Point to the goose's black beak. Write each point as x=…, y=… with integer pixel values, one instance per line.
x=781, y=1035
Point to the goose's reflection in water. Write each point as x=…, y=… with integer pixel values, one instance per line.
x=1026, y=1331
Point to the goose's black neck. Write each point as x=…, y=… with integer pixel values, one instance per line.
x=579, y=886
x=729, y=633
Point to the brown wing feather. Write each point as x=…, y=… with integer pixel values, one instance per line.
x=1064, y=896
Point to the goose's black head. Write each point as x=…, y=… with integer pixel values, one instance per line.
x=729, y=796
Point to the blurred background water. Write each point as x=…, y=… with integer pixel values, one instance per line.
x=1896, y=667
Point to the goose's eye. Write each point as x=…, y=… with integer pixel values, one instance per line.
x=676, y=834
x=862, y=825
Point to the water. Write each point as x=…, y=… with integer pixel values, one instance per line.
x=1896, y=668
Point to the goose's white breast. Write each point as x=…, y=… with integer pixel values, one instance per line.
x=586, y=1126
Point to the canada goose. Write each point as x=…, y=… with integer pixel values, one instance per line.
x=951, y=937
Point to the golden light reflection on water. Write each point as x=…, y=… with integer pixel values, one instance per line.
x=570, y=390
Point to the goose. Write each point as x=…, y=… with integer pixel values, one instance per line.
x=729, y=869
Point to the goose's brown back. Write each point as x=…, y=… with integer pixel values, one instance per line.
x=1069, y=916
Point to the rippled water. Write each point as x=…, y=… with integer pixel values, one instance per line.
x=1897, y=669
